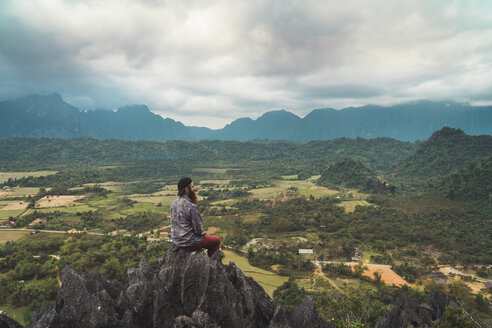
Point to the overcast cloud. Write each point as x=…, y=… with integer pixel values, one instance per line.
x=206, y=63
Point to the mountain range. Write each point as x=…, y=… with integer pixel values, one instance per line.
x=51, y=116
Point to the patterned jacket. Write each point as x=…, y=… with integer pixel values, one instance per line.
x=186, y=223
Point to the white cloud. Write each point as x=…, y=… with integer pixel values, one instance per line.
x=208, y=62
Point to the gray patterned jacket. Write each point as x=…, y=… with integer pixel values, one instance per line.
x=186, y=223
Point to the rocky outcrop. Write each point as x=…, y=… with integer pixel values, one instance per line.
x=407, y=313
x=6, y=322
x=190, y=290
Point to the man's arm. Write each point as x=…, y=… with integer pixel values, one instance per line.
x=196, y=220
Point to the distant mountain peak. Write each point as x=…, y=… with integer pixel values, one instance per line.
x=133, y=108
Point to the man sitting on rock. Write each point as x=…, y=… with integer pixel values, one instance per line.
x=186, y=223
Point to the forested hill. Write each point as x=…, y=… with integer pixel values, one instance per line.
x=447, y=150
x=473, y=182
x=51, y=116
x=34, y=153
x=351, y=173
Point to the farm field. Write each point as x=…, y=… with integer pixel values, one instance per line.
x=18, y=192
x=58, y=201
x=349, y=205
x=4, y=176
x=5, y=214
x=388, y=276
x=6, y=235
x=13, y=205
x=268, y=280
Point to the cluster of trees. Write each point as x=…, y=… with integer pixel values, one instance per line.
x=214, y=194
x=351, y=173
x=447, y=150
x=17, y=153
x=140, y=222
x=167, y=170
x=30, y=268
x=456, y=231
x=473, y=182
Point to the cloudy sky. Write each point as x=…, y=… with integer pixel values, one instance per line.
x=206, y=63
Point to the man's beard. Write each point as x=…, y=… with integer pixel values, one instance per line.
x=193, y=196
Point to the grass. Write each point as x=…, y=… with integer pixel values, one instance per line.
x=19, y=192
x=209, y=170
x=268, y=280
x=249, y=218
x=67, y=209
x=4, y=176
x=349, y=205
x=216, y=182
x=6, y=235
x=141, y=207
x=16, y=313
x=305, y=188
x=4, y=215
x=164, y=200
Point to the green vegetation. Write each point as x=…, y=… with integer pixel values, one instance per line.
x=351, y=173
x=263, y=200
x=267, y=279
x=473, y=182
x=446, y=150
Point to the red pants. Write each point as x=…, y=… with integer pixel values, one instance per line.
x=210, y=242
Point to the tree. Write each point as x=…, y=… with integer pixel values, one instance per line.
x=289, y=295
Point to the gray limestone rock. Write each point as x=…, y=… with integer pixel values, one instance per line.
x=6, y=322
x=408, y=313
x=190, y=290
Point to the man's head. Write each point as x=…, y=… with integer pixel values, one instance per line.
x=186, y=187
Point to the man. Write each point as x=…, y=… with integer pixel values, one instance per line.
x=186, y=223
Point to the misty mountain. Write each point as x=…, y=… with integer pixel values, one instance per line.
x=51, y=116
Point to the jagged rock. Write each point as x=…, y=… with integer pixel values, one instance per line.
x=6, y=322
x=408, y=313
x=190, y=290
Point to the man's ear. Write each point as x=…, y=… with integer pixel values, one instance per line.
x=187, y=190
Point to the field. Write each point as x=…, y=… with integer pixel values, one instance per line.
x=388, y=276
x=350, y=205
x=18, y=192
x=57, y=201
x=268, y=280
x=12, y=235
x=4, y=176
x=4, y=215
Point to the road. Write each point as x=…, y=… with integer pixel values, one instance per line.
x=54, y=231
x=352, y=263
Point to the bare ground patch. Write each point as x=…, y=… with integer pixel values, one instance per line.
x=58, y=201
x=388, y=276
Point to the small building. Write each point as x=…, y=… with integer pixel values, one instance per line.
x=488, y=284
x=305, y=251
x=75, y=231
x=439, y=277
x=5, y=224
x=35, y=223
x=164, y=233
x=357, y=255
